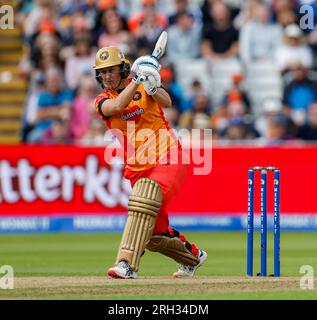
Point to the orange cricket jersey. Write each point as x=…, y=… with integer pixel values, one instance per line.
x=152, y=140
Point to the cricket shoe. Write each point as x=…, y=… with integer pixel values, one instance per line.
x=189, y=271
x=122, y=270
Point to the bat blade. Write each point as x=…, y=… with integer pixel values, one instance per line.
x=160, y=46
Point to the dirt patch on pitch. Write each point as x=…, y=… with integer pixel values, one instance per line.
x=89, y=287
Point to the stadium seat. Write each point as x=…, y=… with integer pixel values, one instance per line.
x=262, y=81
x=189, y=70
x=221, y=74
x=12, y=87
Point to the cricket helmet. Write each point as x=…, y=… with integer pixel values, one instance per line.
x=109, y=57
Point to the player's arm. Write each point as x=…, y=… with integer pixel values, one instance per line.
x=163, y=98
x=110, y=107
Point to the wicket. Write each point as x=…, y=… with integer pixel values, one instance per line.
x=250, y=220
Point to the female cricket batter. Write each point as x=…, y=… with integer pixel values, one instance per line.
x=135, y=108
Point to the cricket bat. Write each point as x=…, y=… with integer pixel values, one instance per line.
x=160, y=46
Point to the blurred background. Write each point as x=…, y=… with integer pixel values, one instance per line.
x=242, y=68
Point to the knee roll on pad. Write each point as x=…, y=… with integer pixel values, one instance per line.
x=144, y=204
x=173, y=248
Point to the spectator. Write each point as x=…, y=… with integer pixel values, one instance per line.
x=128, y=8
x=114, y=32
x=219, y=119
x=236, y=93
x=179, y=99
x=200, y=121
x=246, y=14
x=201, y=113
x=83, y=110
x=132, y=8
x=104, y=5
x=299, y=93
x=25, y=8
x=279, y=6
x=207, y=7
x=236, y=108
x=196, y=91
x=222, y=116
x=197, y=88
x=54, y=103
x=276, y=130
x=95, y=134
x=73, y=26
x=308, y=131
x=293, y=50
x=273, y=107
x=286, y=17
x=254, y=47
x=80, y=62
x=199, y=116
x=41, y=11
x=238, y=129
x=148, y=11
x=31, y=105
x=171, y=115
x=59, y=132
x=270, y=108
x=147, y=26
x=201, y=104
x=184, y=38
x=220, y=38
x=45, y=52
x=183, y=5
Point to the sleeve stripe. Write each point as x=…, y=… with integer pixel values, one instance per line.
x=100, y=110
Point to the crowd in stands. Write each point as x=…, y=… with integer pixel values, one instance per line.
x=62, y=37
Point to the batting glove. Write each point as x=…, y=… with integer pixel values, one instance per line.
x=151, y=84
x=138, y=78
x=147, y=60
x=147, y=71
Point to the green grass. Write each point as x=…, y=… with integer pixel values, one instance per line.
x=90, y=255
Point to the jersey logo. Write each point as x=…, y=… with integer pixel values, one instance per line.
x=134, y=113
